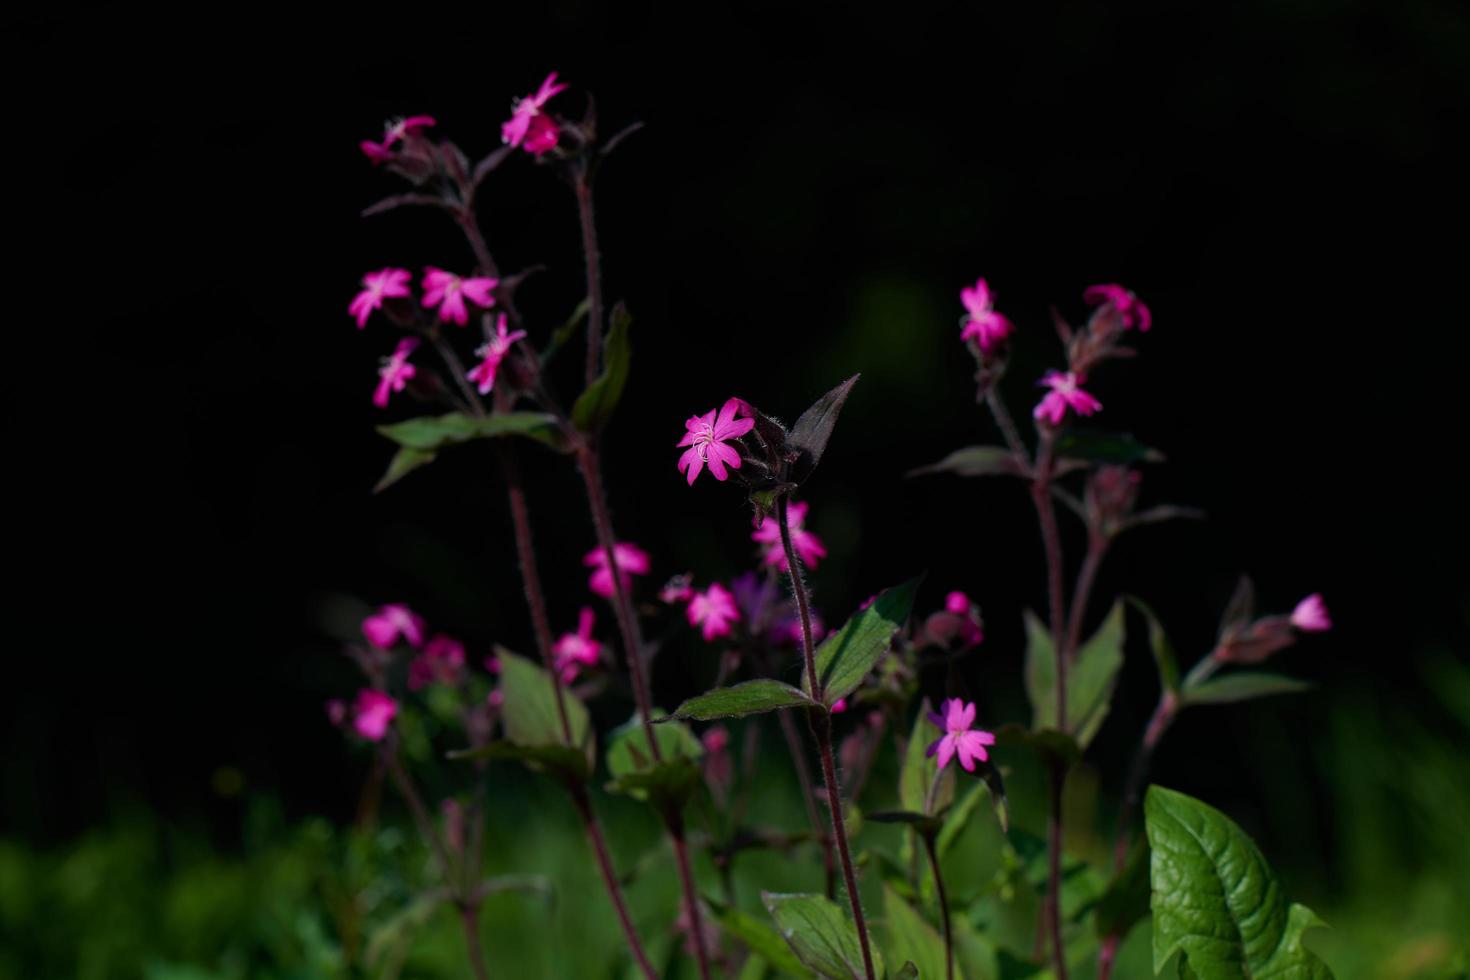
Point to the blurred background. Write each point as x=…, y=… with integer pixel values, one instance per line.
x=188, y=416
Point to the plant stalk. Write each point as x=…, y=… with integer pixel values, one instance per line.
x=582, y=182
x=609, y=877
x=691, y=895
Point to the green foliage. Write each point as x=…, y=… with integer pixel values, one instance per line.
x=668, y=783
x=975, y=461
x=1242, y=686
x=750, y=698
x=910, y=937
x=595, y=406
x=1165, y=661
x=845, y=657
x=434, y=432
x=820, y=935
x=1091, y=676
x=1093, y=446
x=762, y=940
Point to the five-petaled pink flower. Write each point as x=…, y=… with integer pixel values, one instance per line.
x=492, y=352
x=1133, y=311
x=528, y=126
x=986, y=327
x=447, y=291
x=713, y=610
x=808, y=546
x=1064, y=394
x=958, y=738
x=577, y=650
x=1310, y=615
x=384, y=627
x=372, y=713
x=395, y=373
x=441, y=662
x=383, y=152
x=631, y=560
x=706, y=441
x=378, y=286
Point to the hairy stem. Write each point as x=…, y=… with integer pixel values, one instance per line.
x=1053, y=909
x=583, y=185
x=691, y=895
x=1097, y=547
x=943, y=905
x=1007, y=426
x=469, y=917
x=610, y=877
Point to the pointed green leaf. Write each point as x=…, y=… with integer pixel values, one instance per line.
x=1105, y=447
x=595, y=406
x=1242, y=686
x=975, y=461
x=820, y=935
x=910, y=937
x=907, y=972
x=404, y=462
x=431, y=432
x=845, y=657
x=749, y=698
x=564, y=332
x=1091, y=676
x=761, y=939
x=1159, y=645
x=809, y=436
x=992, y=786
x=530, y=711
x=1216, y=900
x=668, y=783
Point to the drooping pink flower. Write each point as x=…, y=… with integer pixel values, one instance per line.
x=713, y=610
x=631, y=560
x=1133, y=311
x=706, y=438
x=958, y=738
x=986, y=327
x=395, y=372
x=383, y=152
x=808, y=546
x=492, y=353
x=528, y=126
x=1310, y=615
x=441, y=662
x=448, y=291
x=372, y=713
x=577, y=650
x=392, y=621
x=378, y=286
x=1064, y=394
x=336, y=711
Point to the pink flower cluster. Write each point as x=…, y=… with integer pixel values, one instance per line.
x=1066, y=393
x=982, y=324
x=440, y=662
x=708, y=439
x=630, y=560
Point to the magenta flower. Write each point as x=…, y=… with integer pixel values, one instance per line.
x=1310, y=615
x=808, y=546
x=372, y=713
x=1133, y=311
x=958, y=603
x=441, y=662
x=706, y=441
x=383, y=152
x=577, y=650
x=391, y=622
x=448, y=291
x=958, y=738
x=713, y=610
x=717, y=739
x=395, y=373
x=631, y=560
x=491, y=354
x=1064, y=394
x=839, y=706
x=528, y=126
x=982, y=324
x=378, y=286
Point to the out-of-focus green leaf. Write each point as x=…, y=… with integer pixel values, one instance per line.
x=907, y=972
x=809, y=436
x=1125, y=902
x=762, y=940
x=563, y=759
x=399, y=928
x=595, y=406
x=845, y=657
x=975, y=461
x=668, y=783
x=910, y=937
x=991, y=785
x=820, y=935
x=1242, y=686
x=1091, y=676
x=404, y=462
x=564, y=332
x=1159, y=645
x=1046, y=742
x=749, y=698
x=432, y=432
x=530, y=714
x=1105, y=447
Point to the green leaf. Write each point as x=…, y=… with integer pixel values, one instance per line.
x=1105, y=447
x=1126, y=900
x=404, y=462
x=761, y=939
x=1162, y=649
x=564, y=332
x=1216, y=900
x=595, y=406
x=1047, y=742
x=921, y=822
x=669, y=783
x=809, y=436
x=910, y=937
x=431, y=432
x=749, y=698
x=907, y=972
x=1091, y=676
x=991, y=785
x=917, y=770
x=820, y=935
x=975, y=461
x=845, y=657
x=563, y=759
x=530, y=712
x=1242, y=686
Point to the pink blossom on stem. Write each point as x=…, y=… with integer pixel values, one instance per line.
x=372, y=713
x=808, y=546
x=713, y=610
x=1310, y=615
x=706, y=438
x=1064, y=394
x=1133, y=311
x=378, y=286
x=982, y=324
x=383, y=152
x=441, y=662
x=491, y=354
x=448, y=291
x=395, y=372
x=958, y=738
x=577, y=650
x=528, y=126
x=392, y=621
x=631, y=560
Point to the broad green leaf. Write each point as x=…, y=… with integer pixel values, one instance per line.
x=1216, y=900
x=749, y=698
x=530, y=711
x=1242, y=686
x=975, y=461
x=1159, y=645
x=1091, y=676
x=404, y=462
x=820, y=935
x=431, y=432
x=1126, y=900
x=1046, y=742
x=809, y=436
x=761, y=939
x=910, y=937
x=845, y=657
x=669, y=783
x=907, y=972
x=1104, y=447
x=564, y=332
x=595, y=406
x=992, y=786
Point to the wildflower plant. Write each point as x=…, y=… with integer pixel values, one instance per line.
x=463, y=346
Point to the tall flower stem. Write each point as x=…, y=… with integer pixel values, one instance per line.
x=1053, y=909
x=582, y=182
x=691, y=894
x=821, y=723
x=1006, y=424
x=610, y=877
x=1097, y=548
x=943, y=905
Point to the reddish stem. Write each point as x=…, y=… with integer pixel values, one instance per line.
x=1053, y=910
x=583, y=185
x=691, y=895
x=610, y=878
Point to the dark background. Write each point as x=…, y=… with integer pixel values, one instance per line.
x=187, y=403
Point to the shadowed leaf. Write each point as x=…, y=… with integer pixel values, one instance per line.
x=808, y=437
x=1091, y=676
x=595, y=406
x=845, y=658
x=911, y=938
x=820, y=935
x=1242, y=686
x=750, y=698
x=432, y=432
x=404, y=462
x=975, y=461
x=1105, y=447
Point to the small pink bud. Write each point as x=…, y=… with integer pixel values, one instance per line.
x=1310, y=615
x=958, y=603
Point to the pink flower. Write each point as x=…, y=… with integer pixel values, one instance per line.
x=577, y=650
x=986, y=327
x=383, y=152
x=528, y=126
x=839, y=706
x=384, y=627
x=630, y=559
x=1133, y=311
x=447, y=291
x=336, y=711
x=706, y=441
x=373, y=713
x=395, y=372
x=808, y=546
x=1310, y=615
x=492, y=353
x=958, y=603
x=713, y=610
x=441, y=662
x=958, y=737
x=677, y=589
x=1064, y=394
x=378, y=286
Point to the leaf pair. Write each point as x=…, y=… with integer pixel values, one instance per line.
x=421, y=439
x=1091, y=677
